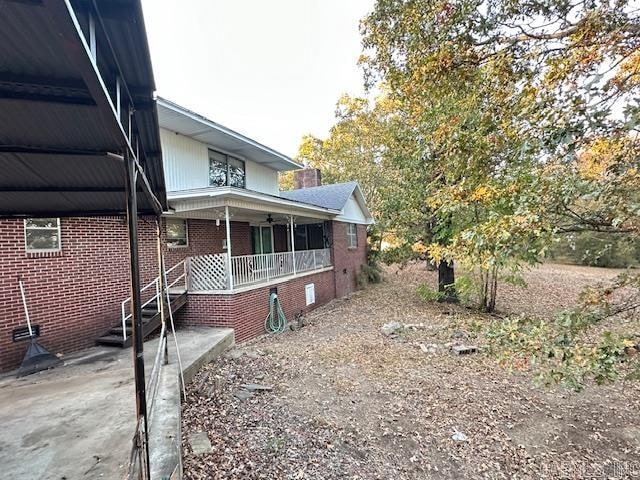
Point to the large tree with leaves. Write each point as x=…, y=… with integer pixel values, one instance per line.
x=507, y=104
x=526, y=115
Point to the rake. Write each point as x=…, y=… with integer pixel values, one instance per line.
x=37, y=358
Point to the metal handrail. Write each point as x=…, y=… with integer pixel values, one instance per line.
x=157, y=283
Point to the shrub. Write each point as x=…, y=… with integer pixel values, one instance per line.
x=598, y=249
x=369, y=273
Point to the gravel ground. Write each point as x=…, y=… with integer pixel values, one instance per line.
x=350, y=403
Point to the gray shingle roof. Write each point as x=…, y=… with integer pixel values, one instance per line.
x=332, y=196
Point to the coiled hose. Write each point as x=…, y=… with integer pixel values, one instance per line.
x=276, y=322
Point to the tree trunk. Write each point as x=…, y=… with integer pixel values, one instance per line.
x=494, y=291
x=446, y=280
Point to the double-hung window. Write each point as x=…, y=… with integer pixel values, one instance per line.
x=177, y=232
x=352, y=235
x=42, y=235
x=225, y=170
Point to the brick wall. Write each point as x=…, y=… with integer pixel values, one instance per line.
x=75, y=294
x=347, y=261
x=246, y=312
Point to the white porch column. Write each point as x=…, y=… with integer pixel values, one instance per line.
x=293, y=245
x=229, y=267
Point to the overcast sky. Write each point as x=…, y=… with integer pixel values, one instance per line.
x=271, y=70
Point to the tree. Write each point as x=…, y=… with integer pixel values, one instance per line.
x=525, y=114
x=501, y=99
x=356, y=149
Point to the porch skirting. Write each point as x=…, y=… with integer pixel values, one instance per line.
x=245, y=311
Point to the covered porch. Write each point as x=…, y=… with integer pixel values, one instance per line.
x=258, y=239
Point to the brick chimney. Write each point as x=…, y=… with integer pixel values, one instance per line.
x=307, y=177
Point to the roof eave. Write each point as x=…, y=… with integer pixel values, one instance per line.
x=279, y=157
x=241, y=193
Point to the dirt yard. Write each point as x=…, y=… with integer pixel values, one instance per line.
x=348, y=402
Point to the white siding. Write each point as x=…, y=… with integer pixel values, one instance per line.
x=186, y=162
x=262, y=179
x=186, y=166
x=352, y=212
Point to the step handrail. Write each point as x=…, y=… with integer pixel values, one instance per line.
x=157, y=283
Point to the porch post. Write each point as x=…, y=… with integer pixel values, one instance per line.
x=229, y=268
x=293, y=245
x=142, y=426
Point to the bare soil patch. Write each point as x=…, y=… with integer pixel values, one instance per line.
x=350, y=403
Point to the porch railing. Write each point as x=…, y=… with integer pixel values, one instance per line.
x=209, y=272
x=152, y=291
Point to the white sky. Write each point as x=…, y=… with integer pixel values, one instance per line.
x=270, y=69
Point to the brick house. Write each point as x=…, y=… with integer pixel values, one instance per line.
x=228, y=238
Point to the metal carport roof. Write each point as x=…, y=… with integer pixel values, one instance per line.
x=76, y=96
x=79, y=130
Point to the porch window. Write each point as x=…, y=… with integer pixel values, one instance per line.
x=42, y=234
x=352, y=235
x=309, y=236
x=225, y=170
x=300, y=237
x=315, y=236
x=262, y=239
x=177, y=232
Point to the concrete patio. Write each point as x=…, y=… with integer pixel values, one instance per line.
x=77, y=420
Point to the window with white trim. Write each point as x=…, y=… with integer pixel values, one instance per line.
x=177, y=232
x=42, y=235
x=352, y=235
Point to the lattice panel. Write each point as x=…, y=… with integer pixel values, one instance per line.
x=208, y=272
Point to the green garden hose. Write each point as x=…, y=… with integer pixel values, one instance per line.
x=276, y=322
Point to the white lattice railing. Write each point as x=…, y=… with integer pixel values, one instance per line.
x=209, y=272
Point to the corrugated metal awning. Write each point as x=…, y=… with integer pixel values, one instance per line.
x=76, y=94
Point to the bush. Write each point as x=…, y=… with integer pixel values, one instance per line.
x=428, y=294
x=598, y=249
x=369, y=273
x=464, y=289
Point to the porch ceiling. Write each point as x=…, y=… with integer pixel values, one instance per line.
x=210, y=203
x=254, y=217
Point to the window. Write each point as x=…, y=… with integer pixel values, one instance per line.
x=309, y=236
x=225, y=170
x=300, y=237
x=352, y=235
x=315, y=236
x=262, y=239
x=42, y=234
x=177, y=232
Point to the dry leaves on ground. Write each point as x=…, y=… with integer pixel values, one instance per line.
x=350, y=403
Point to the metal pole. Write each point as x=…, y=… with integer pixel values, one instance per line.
x=160, y=297
x=293, y=245
x=229, y=268
x=24, y=304
x=136, y=310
